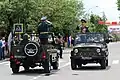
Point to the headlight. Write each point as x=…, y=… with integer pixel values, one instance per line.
x=103, y=49
x=98, y=50
x=76, y=50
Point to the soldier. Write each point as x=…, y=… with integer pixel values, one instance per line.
x=43, y=28
x=83, y=28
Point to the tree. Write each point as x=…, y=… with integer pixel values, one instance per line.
x=63, y=13
x=94, y=26
x=118, y=4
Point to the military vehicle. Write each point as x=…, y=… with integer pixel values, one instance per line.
x=31, y=53
x=90, y=48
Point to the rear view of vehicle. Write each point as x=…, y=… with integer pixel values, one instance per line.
x=33, y=54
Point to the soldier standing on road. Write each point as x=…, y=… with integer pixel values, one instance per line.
x=44, y=26
x=83, y=28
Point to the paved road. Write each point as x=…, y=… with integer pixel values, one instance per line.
x=89, y=72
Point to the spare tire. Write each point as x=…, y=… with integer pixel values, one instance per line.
x=31, y=49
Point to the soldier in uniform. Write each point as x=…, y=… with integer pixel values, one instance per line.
x=83, y=28
x=44, y=27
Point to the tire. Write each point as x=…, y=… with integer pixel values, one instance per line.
x=73, y=64
x=15, y=69
x=79, y=65
x=26, y=68
x=31, y=46
x=107, y=62
x=103, y=64
x=47, y=66
x=55, y=65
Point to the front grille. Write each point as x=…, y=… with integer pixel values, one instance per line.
x=88, y=52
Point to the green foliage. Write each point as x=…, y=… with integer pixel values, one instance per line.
x=118, y=4
x=94, y=26
x=62, y=13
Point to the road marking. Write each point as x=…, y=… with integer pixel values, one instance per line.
x=61, y=60
x=64, y=65
x=7, y=64
x=34, y=78
x=4, y=62
x=115, y=62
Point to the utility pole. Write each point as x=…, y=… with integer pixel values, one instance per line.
x=104, y=19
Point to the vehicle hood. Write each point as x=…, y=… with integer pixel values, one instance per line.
x=89, y=45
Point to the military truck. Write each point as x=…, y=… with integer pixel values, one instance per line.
x=30, y=54
x=90, y=48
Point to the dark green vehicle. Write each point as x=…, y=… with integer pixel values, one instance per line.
x=30, y=53
x=90, y=48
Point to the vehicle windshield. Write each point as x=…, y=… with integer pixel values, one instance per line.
x=89, y=38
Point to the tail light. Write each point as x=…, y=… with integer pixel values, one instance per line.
x=11, y=55
x=44, y=55
x=16, y=61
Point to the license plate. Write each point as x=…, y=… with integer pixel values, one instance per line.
x=20, y=57
x=86, y=58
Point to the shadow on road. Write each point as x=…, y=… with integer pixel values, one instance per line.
x=36, y=72
x=92, y=68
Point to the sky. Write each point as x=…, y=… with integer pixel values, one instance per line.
x=108, y=6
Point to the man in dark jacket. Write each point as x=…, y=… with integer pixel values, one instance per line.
x=83, y=28
x=44, y=27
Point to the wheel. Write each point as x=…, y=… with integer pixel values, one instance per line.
x=55, y=65
x=103, y=64
x=107, y=62
x=26, y=68
x=47, y=66
x=73, y=64
x=15, y=68
x=80, y=65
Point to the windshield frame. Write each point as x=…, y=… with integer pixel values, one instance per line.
x=104, y=37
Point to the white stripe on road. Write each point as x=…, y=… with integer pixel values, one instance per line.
x=115, y=62
x=7, y=62
x=34, y=78
x=61, y=60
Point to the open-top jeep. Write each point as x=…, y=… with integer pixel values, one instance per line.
x=90, y=48
x=30, y=53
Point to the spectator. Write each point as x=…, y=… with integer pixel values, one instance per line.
x=60, y=41
x=0, y=49
x=3, y=47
